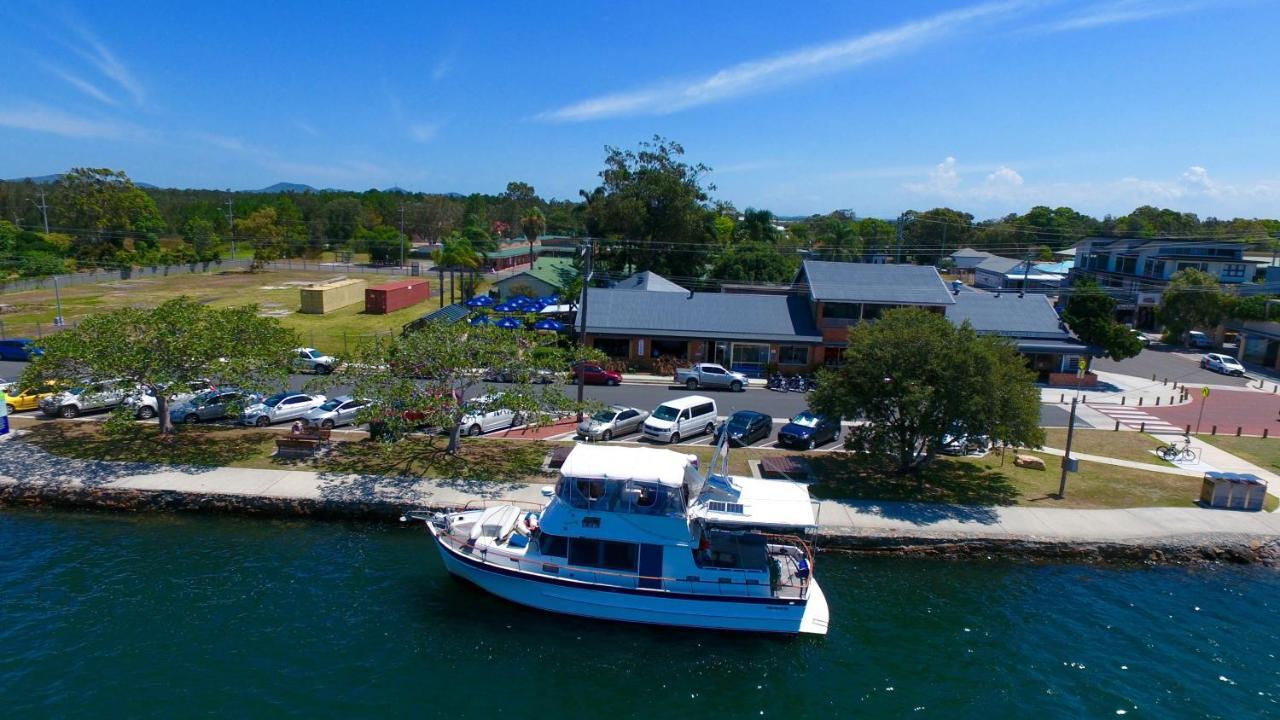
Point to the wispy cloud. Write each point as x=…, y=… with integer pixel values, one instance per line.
x=443, y=67
x=354, y=170
x=81, y=84
x=1115, y=13
x=42, y=118
x=424, y=132
x=224, y=142
x=307, y=128
x=759, y=75
x=105, y=61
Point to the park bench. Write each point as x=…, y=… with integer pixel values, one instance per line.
x=302, y=445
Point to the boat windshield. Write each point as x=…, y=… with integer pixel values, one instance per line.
x=621, y=496
x=665, y=412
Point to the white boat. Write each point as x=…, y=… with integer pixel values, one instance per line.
x=641, y=535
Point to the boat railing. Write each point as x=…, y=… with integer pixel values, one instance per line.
x=726, y=586
x=483, y=503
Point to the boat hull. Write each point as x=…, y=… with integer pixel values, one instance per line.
x=654, y=607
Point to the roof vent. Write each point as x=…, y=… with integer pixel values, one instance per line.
x=955, y=287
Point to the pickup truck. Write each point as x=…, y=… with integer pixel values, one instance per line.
x=712, y=376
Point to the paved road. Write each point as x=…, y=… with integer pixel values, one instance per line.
x=1162, y=361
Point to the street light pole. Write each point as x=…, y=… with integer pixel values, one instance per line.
x=589, y=249
x=1066, y=456
x=57, y=297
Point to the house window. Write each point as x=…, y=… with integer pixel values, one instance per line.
x=1204, y=267
x=842, y=311
x=793, y=355
x=833, y=356
x=1127, y=265
x=613, y=347
x=674, y=348
x=873, y=312
x=1233, y=271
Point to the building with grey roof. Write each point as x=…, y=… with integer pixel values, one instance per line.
x=1029, y=321
x=964, y=260
x=650, y=281
x=1002, y=273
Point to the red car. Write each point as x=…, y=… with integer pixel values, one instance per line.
x=593, y=374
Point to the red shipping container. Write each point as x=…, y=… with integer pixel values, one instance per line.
x=394, y=296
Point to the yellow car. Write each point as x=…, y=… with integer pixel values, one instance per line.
x=24, y=400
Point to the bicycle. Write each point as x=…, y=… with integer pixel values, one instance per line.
x=1178, y=452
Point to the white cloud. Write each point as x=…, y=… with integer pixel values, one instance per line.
x=222, y=141
x=424, y=132
x=1115, y=13
x=105, y=61
x=42, y=118
x=307, y=128
x=82, y=85
x=759, y=75
x=443, y=67
x=1004, y=177
x=944, y=179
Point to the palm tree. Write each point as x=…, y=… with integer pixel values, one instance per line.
x=457, y=252
x=533, y=224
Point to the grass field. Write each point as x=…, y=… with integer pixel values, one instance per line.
x=1263, y=452
x=990, y=480
x=1133, y=446
x=270, y=289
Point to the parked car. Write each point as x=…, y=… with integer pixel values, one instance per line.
x=963, y=444
x=84, y=398
x=1197, y=339
x=593, y=374
x=146, y=406
x=710, y=375
x=280, y=407
x=614, y=421
x=681, y=418
x=312, y=360
x=538, y=377
x=19, y=349
x=17, y=400
x=745, y=427
x=1220, y=363
x=483, y=417
x=211, y=405
x=341, y=410
x=1142, y=337
x=808, y=431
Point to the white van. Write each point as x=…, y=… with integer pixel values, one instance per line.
x=681, y=418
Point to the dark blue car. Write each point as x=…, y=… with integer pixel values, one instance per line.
x=807, y=431
x=19, y=349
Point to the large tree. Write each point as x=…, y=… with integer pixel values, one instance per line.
x=533, y=224
x=428, y=377
x=754, y=262
x=107, y=213
x=1192, y=300
x=163, y=349
x=913, y=377
x=651, y=208
x=1091, y=315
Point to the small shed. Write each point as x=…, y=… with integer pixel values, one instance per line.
x=394, y=296
x=1234, y=491
x=326, y=297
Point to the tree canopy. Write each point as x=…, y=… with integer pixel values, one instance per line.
x=1192, y=300
x=1091, y=315
x=914, y=377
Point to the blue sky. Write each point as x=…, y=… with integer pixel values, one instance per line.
x=876, y=107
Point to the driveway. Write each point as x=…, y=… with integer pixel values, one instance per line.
x=1165, y=362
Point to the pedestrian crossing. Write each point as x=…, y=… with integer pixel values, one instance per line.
x=1137, y=419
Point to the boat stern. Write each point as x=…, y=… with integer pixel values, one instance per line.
x=816, y=616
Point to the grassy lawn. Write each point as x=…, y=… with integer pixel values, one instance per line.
x=1133, y=446
x=270, y=289
x=1263, y=452
x=975, y=481
x=989, y=481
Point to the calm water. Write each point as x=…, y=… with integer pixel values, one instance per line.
x=118, y=615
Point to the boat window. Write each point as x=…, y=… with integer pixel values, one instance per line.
x=607, y=554
x=553, y=545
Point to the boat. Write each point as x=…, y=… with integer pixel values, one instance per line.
x=643, y=535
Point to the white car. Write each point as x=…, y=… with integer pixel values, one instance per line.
x=312, y=360
x=279, y=408
x=481, y=417
x=341, y=410
x=1224, y=364
x=146, y=406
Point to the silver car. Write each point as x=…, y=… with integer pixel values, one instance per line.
x=341, y=410
x=482, y=416
x=613, y=421
x=280, y=407
x=211, y=405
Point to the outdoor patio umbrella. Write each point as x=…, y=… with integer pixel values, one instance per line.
x=509, y=323
x=507, y=307
x=548, y=324
x=549, y=300
x=480, y=320
x=480, y=301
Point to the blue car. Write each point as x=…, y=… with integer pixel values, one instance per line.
x=807, y=431
x=19, y=349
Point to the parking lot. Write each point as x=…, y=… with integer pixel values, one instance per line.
x=1165, y=362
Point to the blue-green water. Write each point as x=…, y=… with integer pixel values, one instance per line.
x=160, y=616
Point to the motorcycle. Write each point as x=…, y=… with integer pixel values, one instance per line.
x=777, y=382
x=796, y=383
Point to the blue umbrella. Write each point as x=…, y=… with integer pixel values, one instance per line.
x=507, y=306
x=509, y=323
x=480, y=320
x=480, y=301
x=535, y=306
x=549, y=300
x=548, y=324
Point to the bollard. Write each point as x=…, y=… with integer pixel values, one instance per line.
x=1188, y=430
x=1214, y=431
x=1117, y=426
x=1264, y=433
x=1142, y=427
x=1153, y=377
x=1062, y=399
x=1237, y=431
x=1157, y=402
x=1166, y=381
x=1121, y=399
x=1139, y=402
x=1172, y=399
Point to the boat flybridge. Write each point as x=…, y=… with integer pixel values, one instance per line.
x=643, y=535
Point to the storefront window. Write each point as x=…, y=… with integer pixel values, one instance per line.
x=613, y=347
x=793, y=355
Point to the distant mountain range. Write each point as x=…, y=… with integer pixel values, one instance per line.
x=280, y=187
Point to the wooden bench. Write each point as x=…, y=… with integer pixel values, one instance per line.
x=302, y=445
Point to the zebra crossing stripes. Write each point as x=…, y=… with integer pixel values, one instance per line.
x=1138, y=419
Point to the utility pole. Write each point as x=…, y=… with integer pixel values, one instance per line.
x=1066, y=456
x=589, y=249
x=44, y=211
x=899, y=260
x=1026, y=270
x=57, y=297
x=402, y=235
x=231, y=224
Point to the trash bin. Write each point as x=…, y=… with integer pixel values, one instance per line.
x=1233, y=491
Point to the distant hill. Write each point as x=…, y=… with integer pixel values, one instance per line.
x=283, y=187
x=51, y=179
